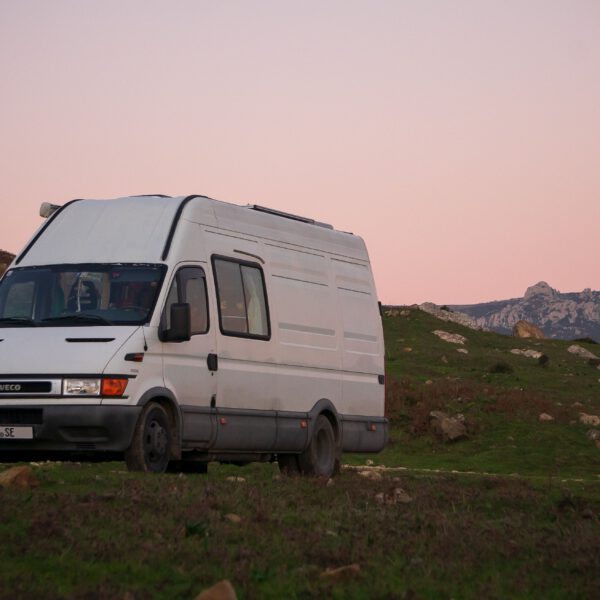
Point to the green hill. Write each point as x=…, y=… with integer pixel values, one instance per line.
x=500, y=396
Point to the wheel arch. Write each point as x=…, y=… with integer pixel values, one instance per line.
x=326, y=407
x=167, y=400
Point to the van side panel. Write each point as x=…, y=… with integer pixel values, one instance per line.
x=306, y=313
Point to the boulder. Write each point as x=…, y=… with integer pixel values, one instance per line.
x=447, y=428
x=525, y=329
x=545, y=417
x=18, y=477
x=220, y=591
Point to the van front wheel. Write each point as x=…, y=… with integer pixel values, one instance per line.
x=320, y=458
x=149, y=450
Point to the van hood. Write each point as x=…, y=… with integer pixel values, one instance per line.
x=60, y=350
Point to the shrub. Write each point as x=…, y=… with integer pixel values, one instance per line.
x=543, y=360
x=501, y=367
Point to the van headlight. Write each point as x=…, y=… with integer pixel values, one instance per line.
x=81, y=387
x=110, y=387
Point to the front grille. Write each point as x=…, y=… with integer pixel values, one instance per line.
x=17, y=387
x=25, y=387
x=21, y=416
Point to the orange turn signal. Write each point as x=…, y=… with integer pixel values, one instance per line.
x=113, y=387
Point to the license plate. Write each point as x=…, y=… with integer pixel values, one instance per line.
x=8, y=432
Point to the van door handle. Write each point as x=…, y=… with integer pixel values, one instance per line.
x=212, y=361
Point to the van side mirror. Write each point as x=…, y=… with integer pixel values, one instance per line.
x=181, y=325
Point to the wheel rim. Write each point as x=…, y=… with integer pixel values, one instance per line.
x=156, y=441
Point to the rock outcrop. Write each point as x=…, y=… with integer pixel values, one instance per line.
x=448, y=315
x=559, y=315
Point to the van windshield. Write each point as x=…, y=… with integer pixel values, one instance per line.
x=76, y=295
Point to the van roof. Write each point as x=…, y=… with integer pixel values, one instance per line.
x=140, y=229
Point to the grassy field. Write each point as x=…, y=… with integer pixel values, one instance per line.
x=432, y=525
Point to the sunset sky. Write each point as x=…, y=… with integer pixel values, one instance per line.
x=460, y=139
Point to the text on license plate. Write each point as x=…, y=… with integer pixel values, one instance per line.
x=8, y=432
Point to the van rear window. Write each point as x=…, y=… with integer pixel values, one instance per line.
x=243, y=306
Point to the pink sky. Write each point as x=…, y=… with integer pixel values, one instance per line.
x=460, y=138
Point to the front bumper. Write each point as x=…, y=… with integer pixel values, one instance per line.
x=78, y=428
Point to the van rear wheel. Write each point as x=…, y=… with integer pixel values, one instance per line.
x=321, y=456
x=150, y=447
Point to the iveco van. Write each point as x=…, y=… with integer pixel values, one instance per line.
x=178, y=331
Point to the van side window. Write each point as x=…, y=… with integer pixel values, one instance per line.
x=189, y=286
x=243, y=308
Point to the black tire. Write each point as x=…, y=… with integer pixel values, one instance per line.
x=151, y=444
x=320, y=457
x=288, y=464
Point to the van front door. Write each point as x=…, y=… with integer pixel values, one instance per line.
x=190, y=366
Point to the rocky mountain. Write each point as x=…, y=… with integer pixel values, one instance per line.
x=563, y=316
x=5, y=259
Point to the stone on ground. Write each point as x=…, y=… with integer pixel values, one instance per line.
x=452, y=338
x=345, y=572
x=18, y=477
x=580, y=351
x=220, y=591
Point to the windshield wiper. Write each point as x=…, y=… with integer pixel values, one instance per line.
x=17, y=320
x=79, y=318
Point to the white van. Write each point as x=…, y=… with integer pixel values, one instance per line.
x=184, y=330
